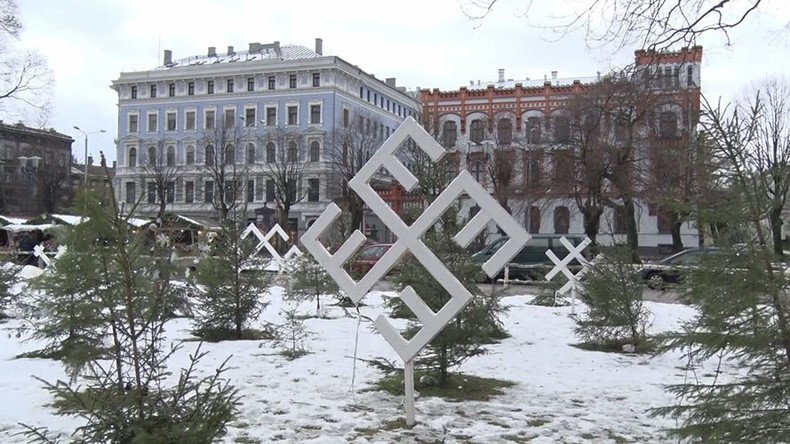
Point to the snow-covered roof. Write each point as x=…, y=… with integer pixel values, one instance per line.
x=202, y=222
x=69, y=219
x=531, y=83
x=5, y=220
x=16, y=228
x=137, y=222
x=286, y=52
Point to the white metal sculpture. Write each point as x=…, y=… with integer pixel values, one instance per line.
x=40, y=252
x=561, y=266
x=264, y=242
x=408, y=240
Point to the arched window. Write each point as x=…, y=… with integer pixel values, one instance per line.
x=504, y=130
x=291, y=157
x=190, y=155
x=449, y=134
x=477, y=172
x=477, y=131
x=151, y=156
x=250, y=153
x=533, y=220
x=230, y=155
x=668, y=125
x=270, y=152
x=562, y=129
x=132, y=157
x=315, y=151
x=210, y=155
x=562, y=220
x=533, y=130
x=171, y=156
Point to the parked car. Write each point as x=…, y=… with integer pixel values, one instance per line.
x=670, y=270
x=367, y=258
x=531, y=262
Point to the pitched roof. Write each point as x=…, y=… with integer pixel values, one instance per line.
x=279, y=53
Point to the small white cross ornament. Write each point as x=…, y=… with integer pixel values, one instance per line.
x=561, y=266
x=409, y=240
x=40, y=252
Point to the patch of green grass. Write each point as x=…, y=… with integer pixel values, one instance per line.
x=615, y=437
x=472, y=388
x=244, y=439
x=587, y=436
x=223, y=334
x=538, y=422
x=617, y=346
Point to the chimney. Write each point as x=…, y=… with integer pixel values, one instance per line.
x=114, y=164
x=319, y=46
x=212, y=51
x=277, y=50
x=230, y=50
x=554, y=75
x=255, y=47
x=168, y=57
x=501, y=75
x=90, y=160
x=390, y=81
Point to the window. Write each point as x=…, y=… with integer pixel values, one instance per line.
x=315, y=114
x=151, y=194
x=562, y=220
x=664, y=221
x=476, y=131
x=291, y=155
x=134, y=96
x=562, y=129
x=190, y=155
x=292, y=81
x=689, y=76
x=249, y=117
x=676, y=77
x=250, y=190
x=271, y=116
x=208, y=191
x=269, y=190
x=504, y=132
x=131, y=192
x=533, y=220
x=171, y=90
x=293, y=114
x=250, y=153
x=375, y=99
x=230, y=118
x=189, y=192
x=668, y=125
x=477, y=172
x=211, y=120
x=133, y=123
x=271, y=82
x=151, y=156
x=230, y=86
x=312, y=190
x=231, y=189
x=189, y=123
x=315, y=151
x=171, y=121
x=230, y=155
x=619, y=220
x=170, y=192
x=563, y=167
x=152, y=121
x=346, y=117
x=210, y=87
x=211, y=155
x=191, y=88
x=667, y=77
x=171, y=156
x=316, y=79
x=250, y=83
x=534, y=170
x=270, y=152
x=153, y=91
x=449, y=134
x=368, y=95
x=132, y=157
x=533, y=130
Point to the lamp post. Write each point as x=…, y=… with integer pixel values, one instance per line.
x=85, y=176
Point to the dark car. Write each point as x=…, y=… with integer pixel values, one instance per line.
x=367, y=258
x=670, y=270
x=531, y=262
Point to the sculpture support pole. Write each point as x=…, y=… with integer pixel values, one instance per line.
x=408, y=380
x=573, y=297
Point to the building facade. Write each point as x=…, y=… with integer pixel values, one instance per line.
x=35, y=168
x=531, y=122
x=255, y=106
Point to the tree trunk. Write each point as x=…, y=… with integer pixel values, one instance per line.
x=675, y=225
x=775, y=218
x=632, y=234
x=592, y=224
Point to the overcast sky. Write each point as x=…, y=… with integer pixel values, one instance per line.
x=430, y=44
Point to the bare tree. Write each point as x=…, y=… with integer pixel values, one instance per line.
x=286, y=165
x=160, y=170
x=227, y=169
x=650, y=24
x=25, y=79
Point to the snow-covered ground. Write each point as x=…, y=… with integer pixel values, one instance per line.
x=562, y=393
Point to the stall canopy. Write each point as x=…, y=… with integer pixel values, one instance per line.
x=56, y=219
x=8, y=220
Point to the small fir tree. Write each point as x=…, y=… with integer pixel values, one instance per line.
x=616, y=314
x=122, y=300
x=292, y=334
x=232, y=283
x=8, y=277
x=309, y=280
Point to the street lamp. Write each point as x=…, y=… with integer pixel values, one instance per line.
x=85, y=176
